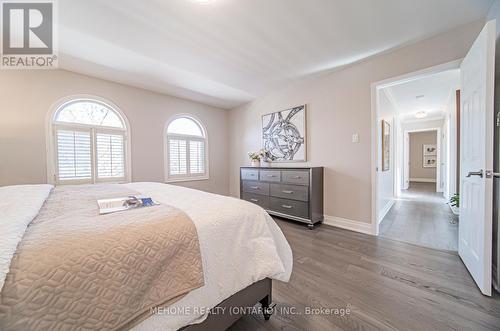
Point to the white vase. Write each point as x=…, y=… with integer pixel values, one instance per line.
x=255, y=163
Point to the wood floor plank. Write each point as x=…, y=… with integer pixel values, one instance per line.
x=387, y=285
x=422, y=216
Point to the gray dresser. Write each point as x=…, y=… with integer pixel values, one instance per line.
x=293, y=193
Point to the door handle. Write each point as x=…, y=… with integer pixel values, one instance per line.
x=491, y=173
x=475, y=173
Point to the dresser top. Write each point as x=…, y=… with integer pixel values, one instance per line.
x=281, y=168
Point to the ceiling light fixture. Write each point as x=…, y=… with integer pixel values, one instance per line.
x=202, y=2
x=421, y=114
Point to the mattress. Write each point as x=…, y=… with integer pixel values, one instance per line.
x=239, y=242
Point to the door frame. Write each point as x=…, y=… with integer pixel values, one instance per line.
x=406, y=147
x=375, y=87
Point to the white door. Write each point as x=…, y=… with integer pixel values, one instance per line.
x=476, y=157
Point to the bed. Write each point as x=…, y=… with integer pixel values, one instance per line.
x=241, y=251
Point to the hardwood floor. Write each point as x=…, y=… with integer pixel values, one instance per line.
x=421, y=216
x=386, y=284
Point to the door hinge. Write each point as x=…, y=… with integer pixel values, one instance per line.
x=498, y=119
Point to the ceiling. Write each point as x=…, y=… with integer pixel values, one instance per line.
x=429, y=94
x=228, y=52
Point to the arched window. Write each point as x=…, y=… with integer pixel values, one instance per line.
x=185, y=149
x=89, y=142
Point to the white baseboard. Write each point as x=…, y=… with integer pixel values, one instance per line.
x=385, y=210
x=347, y=224
x=423, y=180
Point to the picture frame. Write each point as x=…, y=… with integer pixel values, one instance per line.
x=284, y=134
x=429, y=161
x=429, y=149
x=386, y=146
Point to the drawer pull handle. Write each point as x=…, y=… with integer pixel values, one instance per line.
x=297, y=177
x=287, y=192
x=287, y=206
x=255, y=187
x=271, y=175
x=254, y=200
x=252, y=175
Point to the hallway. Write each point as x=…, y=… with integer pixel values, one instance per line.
x=421, y=216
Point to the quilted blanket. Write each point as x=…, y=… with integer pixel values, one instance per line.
x=74, y=269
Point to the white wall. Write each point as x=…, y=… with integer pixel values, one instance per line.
x=450, y=151
x=385, y=179
x=339, y=104
x=27, y=96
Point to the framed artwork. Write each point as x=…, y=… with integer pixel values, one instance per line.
x=430, y=149
x=430, y=161
x=386, y=146
x=284, y=134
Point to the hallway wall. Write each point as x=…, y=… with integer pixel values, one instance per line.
x=417, y=170
x=385, y=179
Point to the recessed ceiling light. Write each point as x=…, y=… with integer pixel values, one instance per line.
x=421, y=114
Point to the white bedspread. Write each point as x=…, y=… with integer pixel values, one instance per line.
x=19, y=204
x=240, y=244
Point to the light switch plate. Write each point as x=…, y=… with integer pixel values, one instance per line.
x=355, y=138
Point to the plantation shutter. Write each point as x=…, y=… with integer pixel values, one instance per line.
x=177, y=149
x=74, y=155
x=196, y=157
x=110, y=156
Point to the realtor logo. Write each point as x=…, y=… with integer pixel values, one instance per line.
x=28, y=35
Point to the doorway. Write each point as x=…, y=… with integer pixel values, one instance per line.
x=414, y=187
x=420, y=213
x=423, y=158
x=476, y=173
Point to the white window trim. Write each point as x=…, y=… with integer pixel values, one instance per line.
x=166, y=137
x=51, y=129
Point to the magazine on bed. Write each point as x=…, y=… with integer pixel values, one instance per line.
x=113, y=205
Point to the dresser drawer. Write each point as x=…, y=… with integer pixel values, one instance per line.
x=260, y=200
x=255, y=187
x=300, y=177
x=270, y=175
x=249, y=174
x=294, y=192
x=289, y=207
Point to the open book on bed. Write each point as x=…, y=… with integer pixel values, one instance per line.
x=113, y=205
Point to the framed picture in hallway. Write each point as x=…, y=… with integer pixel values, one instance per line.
x=430, y=149
x=386, y=146
x=430, y=161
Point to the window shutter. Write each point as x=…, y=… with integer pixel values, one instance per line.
x=74, y=158
x=110, y=155
x=177, y=149
x=196, y=157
